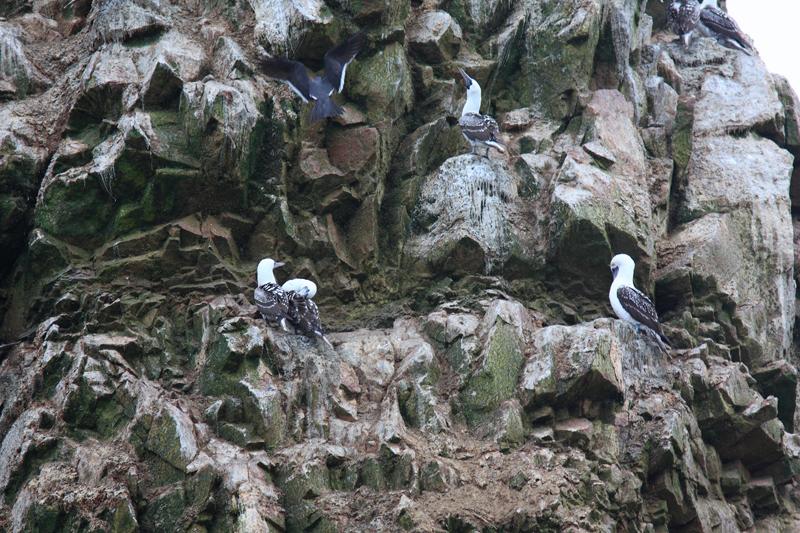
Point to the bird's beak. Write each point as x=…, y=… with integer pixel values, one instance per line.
x=467, y=79
x=278, y=264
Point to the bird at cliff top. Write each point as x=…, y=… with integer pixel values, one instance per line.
x=303, y=312
x=632, y=305
x=686, y=16
x=318, y=89
x=271, y=300
x=479, y=130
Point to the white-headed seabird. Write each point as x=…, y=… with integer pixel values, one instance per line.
x=303, y=312
x=632, y=305
x=318, y=89
x=479, y=130
x=271, y=300
x=686, y=16
x=302, y=286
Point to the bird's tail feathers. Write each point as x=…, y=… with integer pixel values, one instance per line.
x=743, y=46
x=325, y=108
x=663, y=342
x=497, y=146
x=324, y=339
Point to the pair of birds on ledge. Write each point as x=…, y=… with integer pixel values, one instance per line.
x=685, y=17
x=290, y=303
x=481, y=131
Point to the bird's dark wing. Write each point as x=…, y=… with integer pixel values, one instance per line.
x=338, y=57
x=722, y=24
x=272, y=302
x=639, y=306
x=292, y=72
x=304, y=314
x=479, y=128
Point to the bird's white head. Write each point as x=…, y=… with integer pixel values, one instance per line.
x=473, y=104
x=622, y=268
x=264, y=271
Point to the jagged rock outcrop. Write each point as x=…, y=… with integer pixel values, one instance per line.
x=475, y=381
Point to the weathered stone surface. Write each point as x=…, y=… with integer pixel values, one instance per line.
x=147, y=165
x=571, y=364
x=465, y=218
x=745, y=101
x=434, y=37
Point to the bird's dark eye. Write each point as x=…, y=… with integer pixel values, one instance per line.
x=614, y=270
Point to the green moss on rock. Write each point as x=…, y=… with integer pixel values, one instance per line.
x=496, y=380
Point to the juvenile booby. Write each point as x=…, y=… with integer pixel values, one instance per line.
x=683, y=17
x=479, y=130
x=630, y=304
x=318, y=88
x=687, y=16
x=301, y=286
x=271, y=300
x=715, y=23
x=304, y=315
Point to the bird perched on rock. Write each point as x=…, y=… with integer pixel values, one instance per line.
x=271, y=300
x=682, y=18
x=687, y=16
x=479, y=130
x=632, y=305
x=303, y=312
x=318, y=89
x=301, y=286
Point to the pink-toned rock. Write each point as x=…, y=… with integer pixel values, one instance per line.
x=351, y=149
x=314, y=164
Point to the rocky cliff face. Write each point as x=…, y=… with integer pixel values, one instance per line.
x=146, y=166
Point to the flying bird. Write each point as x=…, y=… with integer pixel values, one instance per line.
x=479, y=130
x=632, y=305
x=318, y=89
x=271, y=300
x=687, y=16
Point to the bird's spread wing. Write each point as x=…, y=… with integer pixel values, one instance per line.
x=271, y=301
x=292, y=72
x=337, y=59
x=480, y=128
x=304, y=314
x=639, y=306
x=721, y=23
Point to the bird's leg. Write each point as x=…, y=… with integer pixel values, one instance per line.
x=472, y=148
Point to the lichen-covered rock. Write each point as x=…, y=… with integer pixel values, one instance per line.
x=465, y=218
x=473, y=379
x=577, y=363
x=504, y=331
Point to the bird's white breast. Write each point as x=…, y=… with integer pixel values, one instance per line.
x=617, y=305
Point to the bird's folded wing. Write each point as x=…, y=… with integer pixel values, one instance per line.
x=271, y=299
x=479, y=127
x=337, y=59
x=304, y=313
x=639, y=306
x=719, y=22
x=292, y=72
